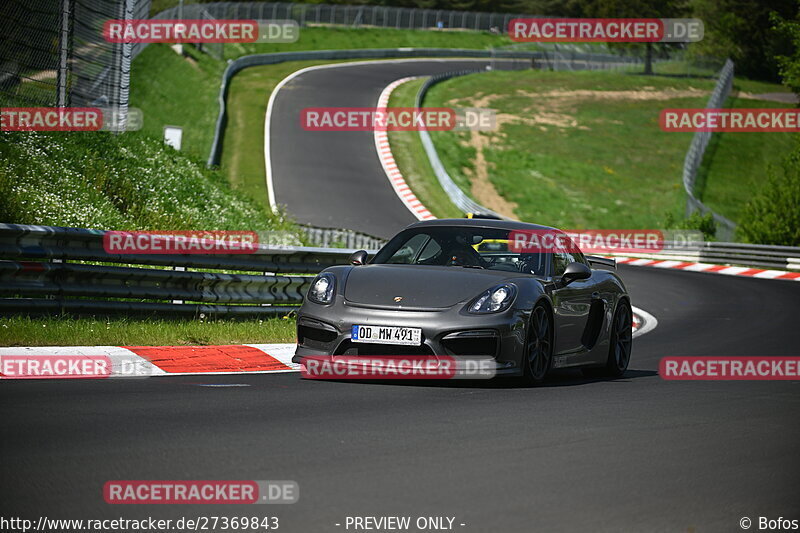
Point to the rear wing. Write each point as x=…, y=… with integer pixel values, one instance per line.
x=602, y=261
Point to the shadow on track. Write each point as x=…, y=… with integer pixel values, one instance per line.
x=559, y=378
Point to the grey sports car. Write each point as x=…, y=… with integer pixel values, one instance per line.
x=461, y=287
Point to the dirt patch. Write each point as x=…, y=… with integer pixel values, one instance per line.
x=784, y=98
x=481, y=187
x=646, y=93
x=560, y=105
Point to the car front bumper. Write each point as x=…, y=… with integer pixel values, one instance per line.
x=326, y=330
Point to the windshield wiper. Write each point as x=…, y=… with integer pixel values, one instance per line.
x=473, y=266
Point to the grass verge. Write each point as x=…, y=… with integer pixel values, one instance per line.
x=175, y=90
x=411, y=158
x=584, y=149
x=735, y=165
x=117, y=182
x=66, y=331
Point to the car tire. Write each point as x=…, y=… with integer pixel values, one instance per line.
x=620, y=338
x=539, y=346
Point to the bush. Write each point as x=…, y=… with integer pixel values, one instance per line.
x=772, y=216
x=697, y=221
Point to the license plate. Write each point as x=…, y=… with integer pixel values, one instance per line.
x=387, y=335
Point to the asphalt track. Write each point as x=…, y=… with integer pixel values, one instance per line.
x=335, y=179
x=633, y=454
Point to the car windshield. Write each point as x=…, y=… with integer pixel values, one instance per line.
x=468, y=247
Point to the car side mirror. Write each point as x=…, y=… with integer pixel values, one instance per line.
x=574, y=272
x=359, y=258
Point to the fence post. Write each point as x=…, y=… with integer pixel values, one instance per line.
x=64, y=53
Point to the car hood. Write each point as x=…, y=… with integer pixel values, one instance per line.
x=418, y=286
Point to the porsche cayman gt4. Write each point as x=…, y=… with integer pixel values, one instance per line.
x=473, y=287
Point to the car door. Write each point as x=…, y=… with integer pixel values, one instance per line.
x=571, y=305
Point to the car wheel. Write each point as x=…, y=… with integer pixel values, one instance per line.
x=539, y=349
x=620, y=339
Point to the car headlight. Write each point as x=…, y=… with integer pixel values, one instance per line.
x=494, y=300
x=322, y=289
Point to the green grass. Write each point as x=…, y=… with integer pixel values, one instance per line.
x=119, y=182
x=69, y=331
x=735, y=165
x=178, y=91
x=411, y=159
x=581, y=162
x=598, y=163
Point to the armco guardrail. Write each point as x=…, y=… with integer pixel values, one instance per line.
x=726, y=228
x=43, y=269
x=346, y=238
x=729, y=253
x=49, y=270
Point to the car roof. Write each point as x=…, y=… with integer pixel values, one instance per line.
x=479, y=223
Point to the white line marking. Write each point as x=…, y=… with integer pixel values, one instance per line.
x=649, y=322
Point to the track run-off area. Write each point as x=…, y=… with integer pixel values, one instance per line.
x=637, y=453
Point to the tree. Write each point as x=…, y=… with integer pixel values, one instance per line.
x=789, y=65
x=637, y=9
x=743, y=30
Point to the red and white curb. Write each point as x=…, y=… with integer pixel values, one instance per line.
x=714, y=269
x=389, y=165
x=144, y=361
x=61, y=362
